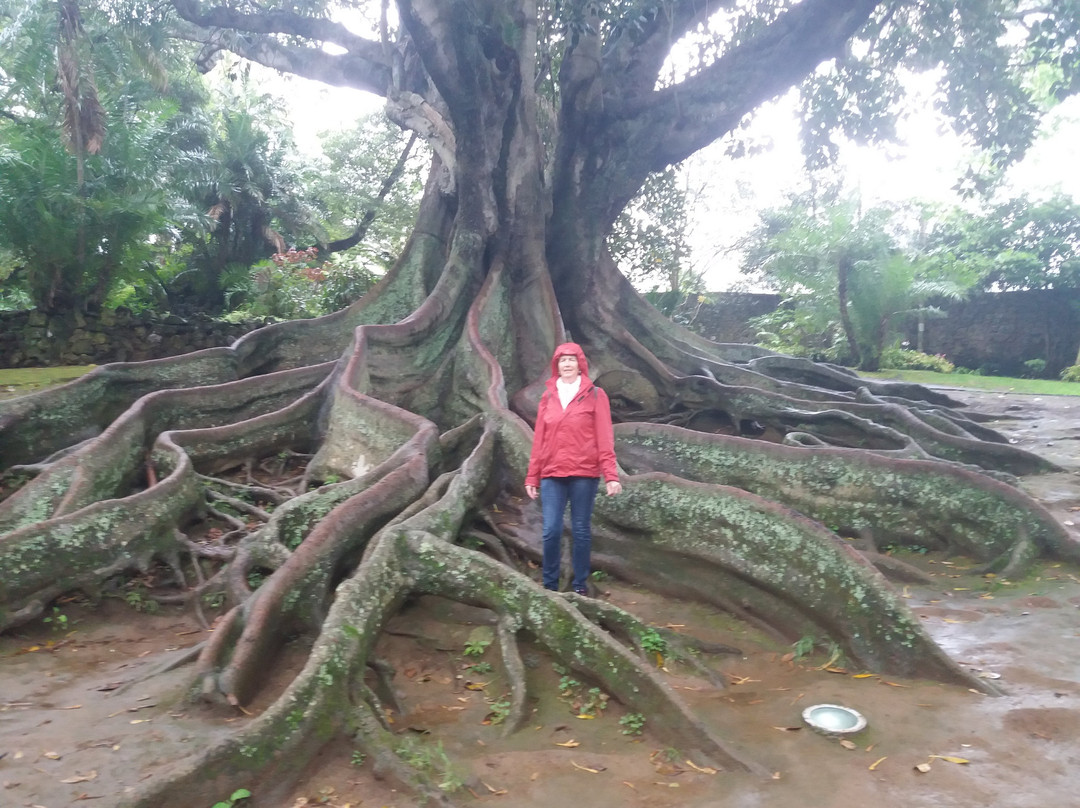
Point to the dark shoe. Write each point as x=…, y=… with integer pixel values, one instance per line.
x=580, y=590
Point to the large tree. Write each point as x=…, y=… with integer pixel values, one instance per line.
x=544, y=120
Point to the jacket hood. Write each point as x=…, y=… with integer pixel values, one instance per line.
x=574, y=349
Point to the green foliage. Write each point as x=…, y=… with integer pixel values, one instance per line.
x=476, y=647
x=431, y=761
x=1018, y=243
x=349, y=188
x=804, y=646
x=902, y=359
x=137, y=600
x=78, y=205
x=653, y=643
x=997, y=61
x=632, y=723
x=500, y=710
x=649, y=240
x=1071, y=374
x=479, y=667
x=847, y=282
x=594, y=703
x=1035, y=368
x=57, y=619
x=256, y=578
x=239, y=795
x=357, y=758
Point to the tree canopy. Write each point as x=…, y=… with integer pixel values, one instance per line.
x=411, y=408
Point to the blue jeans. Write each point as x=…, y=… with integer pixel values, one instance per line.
x=554, y=494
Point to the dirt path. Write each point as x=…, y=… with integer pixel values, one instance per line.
x=83, y=721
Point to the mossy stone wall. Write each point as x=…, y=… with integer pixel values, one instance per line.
x=35, y=339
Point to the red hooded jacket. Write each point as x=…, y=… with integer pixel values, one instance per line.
x=577, y=441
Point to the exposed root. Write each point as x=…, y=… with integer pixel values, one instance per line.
x=507, y=629
x=239, y=505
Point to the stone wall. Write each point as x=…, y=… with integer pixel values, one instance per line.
x=997, y=332
x=725, y=319
x=33, y=339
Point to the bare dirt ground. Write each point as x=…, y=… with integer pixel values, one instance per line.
x=83, y=721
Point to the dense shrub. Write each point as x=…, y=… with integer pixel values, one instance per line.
x=1071, y=374
x=900, y=359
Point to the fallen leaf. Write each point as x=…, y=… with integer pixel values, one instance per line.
x=569, y=744
x=873, y=766
x=892, y=684
x=139, y=721
x=496, y=791
x=835, y=670
x=776, y=775
x=476, y=685
x=950, y=758
x=586, y=768
x=669, y=785
x=72, y=707
x=922, y=767
x=847, y=744
x=788, y=729
x=703, y=770
x=80, y=778
x=585, y=715
x=49, y=755
x=631, y=785
x=864, y=675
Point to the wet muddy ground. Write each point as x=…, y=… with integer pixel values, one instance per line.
x=82, y=721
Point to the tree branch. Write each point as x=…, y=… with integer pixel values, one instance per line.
x=363, y=65
x=690, y=115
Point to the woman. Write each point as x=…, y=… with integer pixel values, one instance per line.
x=573, y=446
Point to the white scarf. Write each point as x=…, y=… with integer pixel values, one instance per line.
x=567, y=390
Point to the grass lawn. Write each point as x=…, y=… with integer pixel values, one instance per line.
x=20, y=381
x=1042, y=387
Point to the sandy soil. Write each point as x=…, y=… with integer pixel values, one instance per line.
x=82, y=719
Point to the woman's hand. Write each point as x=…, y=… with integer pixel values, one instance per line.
x=613, y=487
x=532, y=491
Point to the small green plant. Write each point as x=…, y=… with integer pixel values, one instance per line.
x=476, y=647
x=804, y=646
x=58, y=620
x=596, y=701
x=357, y=758
x=479, y=667
x=1071, y=374
x=500, y=710
x=632, y=723
x=214, y=600
x=653, y=643
x=235, y=797
x=432, y=761
x=599, y=575
x=567, y=686
x=138, y=601
x=330, y=479
x=256, y=578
